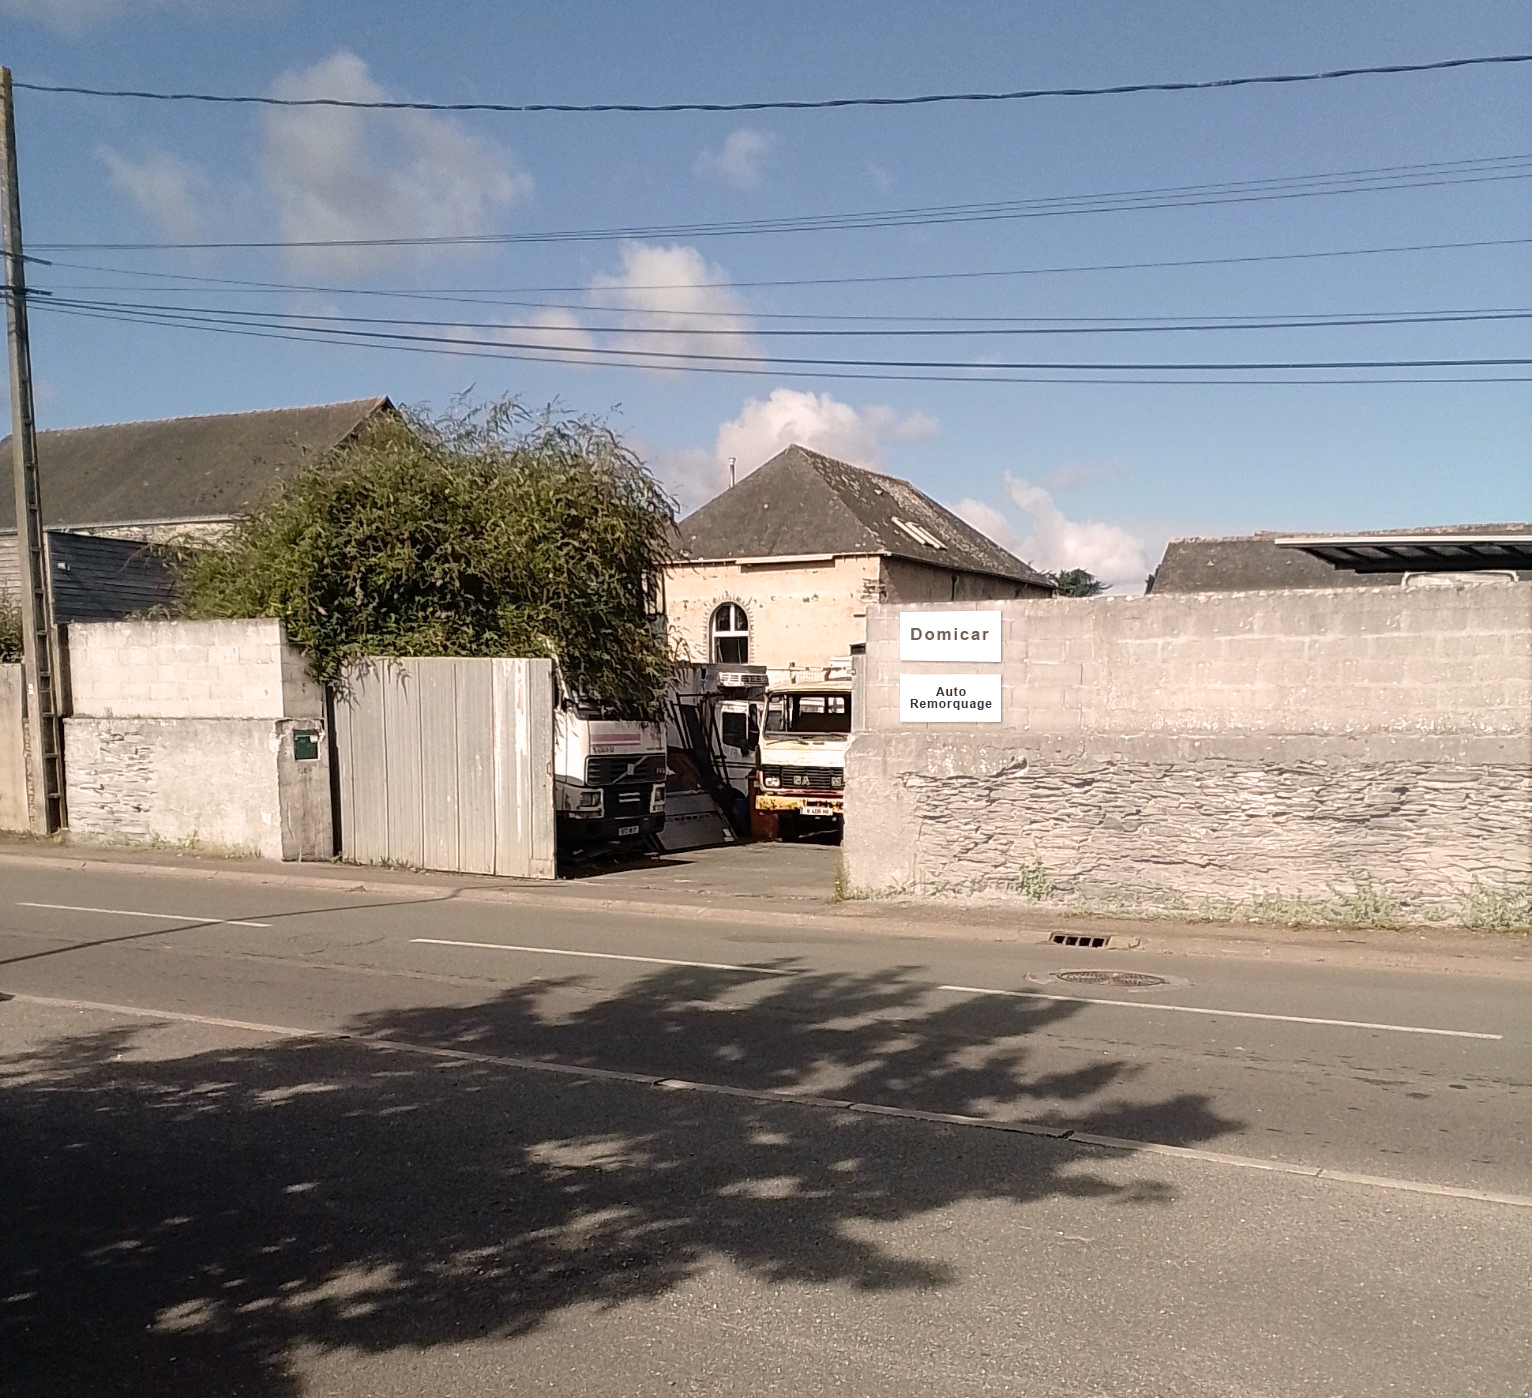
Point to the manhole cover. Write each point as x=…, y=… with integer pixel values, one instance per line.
x=1127, y=980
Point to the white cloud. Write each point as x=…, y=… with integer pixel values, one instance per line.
x=175, y=194
x=341, y=174
x=739, y=160
x=1047, y=539
x=556, y=329
x=675, y=302
x=766, y=425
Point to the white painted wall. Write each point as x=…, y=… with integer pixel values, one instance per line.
x=13, y=759
x=183, y=733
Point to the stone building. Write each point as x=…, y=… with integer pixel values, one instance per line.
x=779, y=570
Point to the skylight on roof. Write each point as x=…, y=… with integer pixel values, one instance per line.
x=919, y=533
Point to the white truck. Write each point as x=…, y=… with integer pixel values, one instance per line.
x=800, y=776
x=608, y=779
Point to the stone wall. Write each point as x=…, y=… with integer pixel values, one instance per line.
x=196, y=734
x=1272, y=749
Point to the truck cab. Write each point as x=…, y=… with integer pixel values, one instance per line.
x=608, y=779
x=800, y=777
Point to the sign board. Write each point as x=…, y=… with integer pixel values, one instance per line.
x=970, y=636
x=949, y=698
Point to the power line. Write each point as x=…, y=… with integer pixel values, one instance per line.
x=563, y=357
x=826, y=104
x=596, y=354
x=1479, y=170
x=1009, y=325
x=464, y=293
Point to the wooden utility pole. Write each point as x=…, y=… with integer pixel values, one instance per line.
x=44, y=728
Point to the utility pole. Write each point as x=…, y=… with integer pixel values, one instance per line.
x=44, y=728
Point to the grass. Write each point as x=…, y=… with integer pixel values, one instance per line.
x=1499, y=908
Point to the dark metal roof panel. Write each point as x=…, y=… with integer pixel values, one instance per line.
x=1430, y=552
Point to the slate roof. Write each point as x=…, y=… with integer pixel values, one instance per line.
x=801, y=503
x=181, y=468
x=1254, y=563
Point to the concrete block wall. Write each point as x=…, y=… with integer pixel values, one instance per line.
x=1169, y=752
x=185, y=733
x=189, y=669
x=13, y=758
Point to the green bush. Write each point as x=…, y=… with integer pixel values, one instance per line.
x=10, y=633
x=479, y=533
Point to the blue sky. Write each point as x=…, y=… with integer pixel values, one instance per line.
x=1093, y=474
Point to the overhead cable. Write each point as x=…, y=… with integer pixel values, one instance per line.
x=982, y=375
x=1478, y=170
x=823, y=104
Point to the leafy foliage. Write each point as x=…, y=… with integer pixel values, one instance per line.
x=10, y=633
x=482, y=532
x=1076, y=582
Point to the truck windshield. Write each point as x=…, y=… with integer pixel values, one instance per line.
x=808, y=713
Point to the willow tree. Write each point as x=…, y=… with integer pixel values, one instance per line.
x=486, y=531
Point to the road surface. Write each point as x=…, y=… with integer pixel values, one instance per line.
x=273, y=1141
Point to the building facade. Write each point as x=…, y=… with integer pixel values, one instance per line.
x=780, y=569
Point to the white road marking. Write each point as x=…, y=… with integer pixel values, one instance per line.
x=602, y=956
x=164, y=917
x=1064, y=1135
x=1231, y=1014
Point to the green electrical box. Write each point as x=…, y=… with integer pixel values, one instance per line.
x=305, y=745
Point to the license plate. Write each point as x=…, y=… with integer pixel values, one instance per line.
x=818, y=810
x=627, y=830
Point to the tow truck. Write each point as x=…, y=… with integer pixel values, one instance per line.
x=800, y=777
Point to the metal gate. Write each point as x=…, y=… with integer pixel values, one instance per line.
x=447, y=764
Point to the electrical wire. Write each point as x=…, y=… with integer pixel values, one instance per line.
x=469, y=294
x=1480, y=170
x=762, y=372
x=627, y=356
x=825, y=104
x=1070, y=326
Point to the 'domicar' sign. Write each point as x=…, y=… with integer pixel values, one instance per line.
x=971, y=636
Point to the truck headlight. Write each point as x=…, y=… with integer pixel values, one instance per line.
x=657, y=799
x=771, y=781
x=590, y=800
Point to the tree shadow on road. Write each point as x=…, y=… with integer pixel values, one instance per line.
x=183, y=1224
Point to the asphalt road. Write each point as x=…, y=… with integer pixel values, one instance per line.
x=209, y=1190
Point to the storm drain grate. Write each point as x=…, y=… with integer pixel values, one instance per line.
x=1076, y=939
x=1128, y=980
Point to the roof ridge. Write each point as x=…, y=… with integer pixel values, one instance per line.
x=377, y=400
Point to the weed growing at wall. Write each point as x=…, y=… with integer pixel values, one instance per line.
x=1032, y=881
x=10, y=633
x=482, y=532
x=1500, y=908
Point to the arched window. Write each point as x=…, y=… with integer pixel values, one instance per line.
x=730, y=635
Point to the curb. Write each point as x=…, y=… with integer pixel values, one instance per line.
x=1136, y=938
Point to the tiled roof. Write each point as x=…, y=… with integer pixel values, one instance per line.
x=206, y=467
x=802, y=503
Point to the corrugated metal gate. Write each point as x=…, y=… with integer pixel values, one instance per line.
x=448, y=764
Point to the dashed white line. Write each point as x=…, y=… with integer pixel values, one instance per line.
x=132, y=912
x=602, y=956
x=1063, y=1135
x=1230, y=1014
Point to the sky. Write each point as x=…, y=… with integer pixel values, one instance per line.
x=660, y=256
